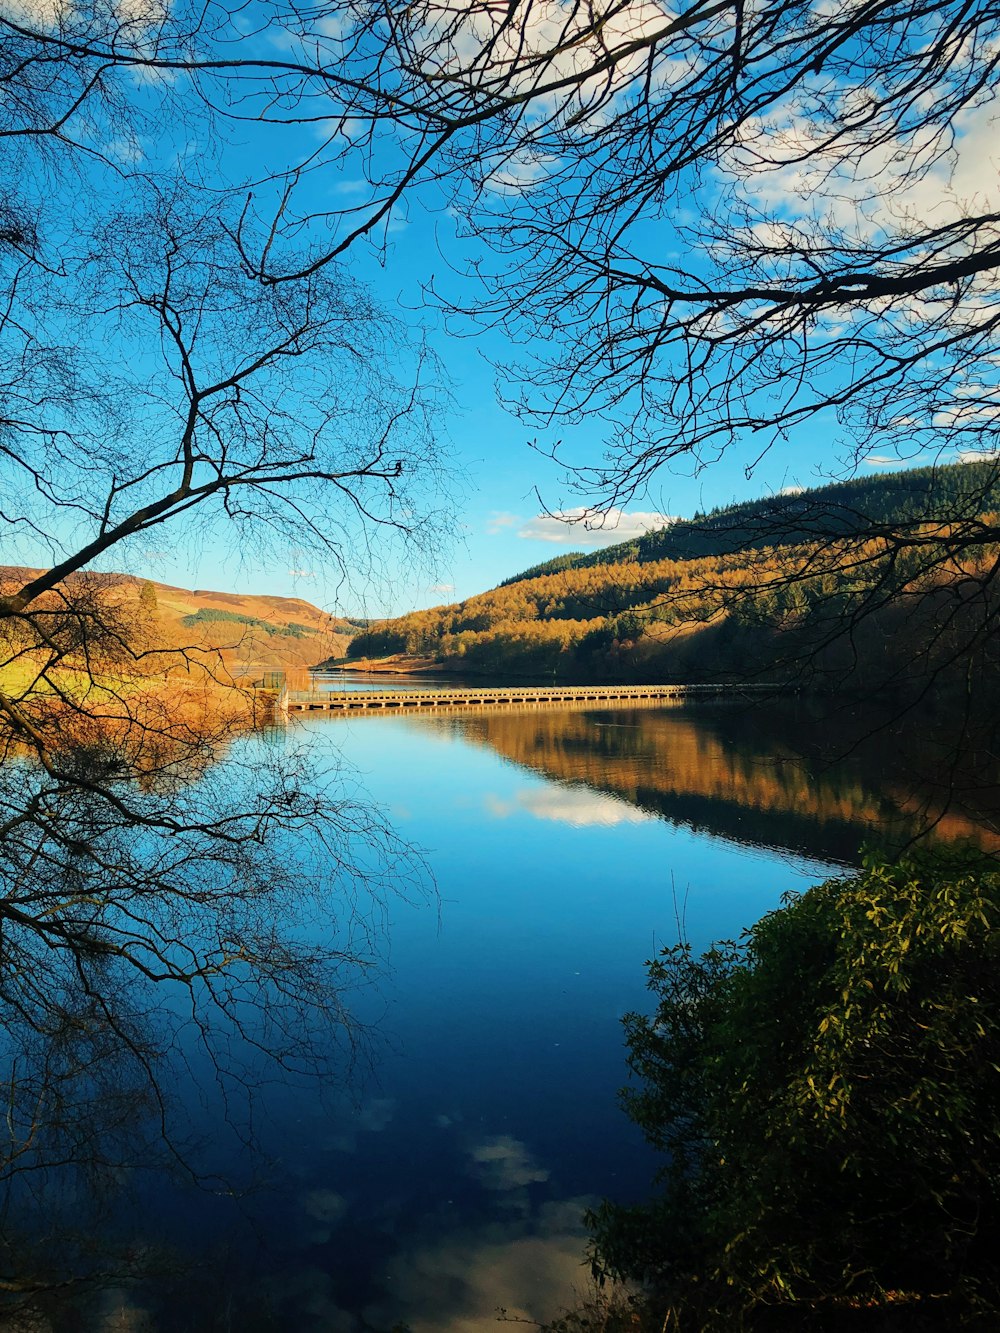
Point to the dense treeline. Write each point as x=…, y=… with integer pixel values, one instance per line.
x=211, y=615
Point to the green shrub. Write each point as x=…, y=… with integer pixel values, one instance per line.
x=827, y=1094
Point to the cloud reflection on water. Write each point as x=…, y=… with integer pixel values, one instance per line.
x=531, y=1266
x=374, y=1115
x=447, y=1273
x=504, y=1163
x=579, y=806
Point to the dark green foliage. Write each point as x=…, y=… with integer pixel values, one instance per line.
x=827, y=1093
x=628, y=627
x=148, y=600
x=206, y=614
x=888, y=588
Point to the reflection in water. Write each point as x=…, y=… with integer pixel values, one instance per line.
x=578, y=805
x=454, y=1180
x=527, y=1267
x=504, y=1164
x=733, y=772
x=526, y=1261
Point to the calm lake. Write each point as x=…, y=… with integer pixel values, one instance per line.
x=445, y=1173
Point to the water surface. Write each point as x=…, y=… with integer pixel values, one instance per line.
x=446, y=1173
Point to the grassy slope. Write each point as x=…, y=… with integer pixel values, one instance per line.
x=245, y=647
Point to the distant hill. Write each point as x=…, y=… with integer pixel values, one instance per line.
x=763, y=585
x=942, y=494
x=251, y=632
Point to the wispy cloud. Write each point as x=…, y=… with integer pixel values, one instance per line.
x=349, y=186
x=585, y=527
x=442, y=587
x=977, y=455
x=499, y=521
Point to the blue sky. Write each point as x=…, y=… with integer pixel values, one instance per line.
x=501, y=526
x=502, y=485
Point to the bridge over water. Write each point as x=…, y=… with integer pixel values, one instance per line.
x=380, y=701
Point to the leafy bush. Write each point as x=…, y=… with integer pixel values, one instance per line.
x=827, y=1093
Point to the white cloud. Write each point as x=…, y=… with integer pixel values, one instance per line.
x=442, y=587
x=129, y=14
x=350, y=186
x=973, y=406
x=335, y=27
x=977, y=455
x=44, y=13
x=127, y=150
x=589, y=527
x=868, y=184
x=519, y=172
x=534, y=44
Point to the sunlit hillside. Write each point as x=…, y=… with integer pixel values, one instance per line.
x=846, y=578
x=249, y=633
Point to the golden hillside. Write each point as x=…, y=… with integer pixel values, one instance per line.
x=251, y=633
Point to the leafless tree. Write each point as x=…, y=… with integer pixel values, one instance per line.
x=718, y=223
x=721, y=226
x=154, y=904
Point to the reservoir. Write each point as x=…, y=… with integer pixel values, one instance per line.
x=442, y=1170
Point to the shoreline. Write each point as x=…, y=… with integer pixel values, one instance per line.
x=396, y=665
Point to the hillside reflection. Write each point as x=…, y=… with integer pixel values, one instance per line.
x=761, y=777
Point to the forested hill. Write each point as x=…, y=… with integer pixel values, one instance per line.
x=740, y=591
x=929, y=494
